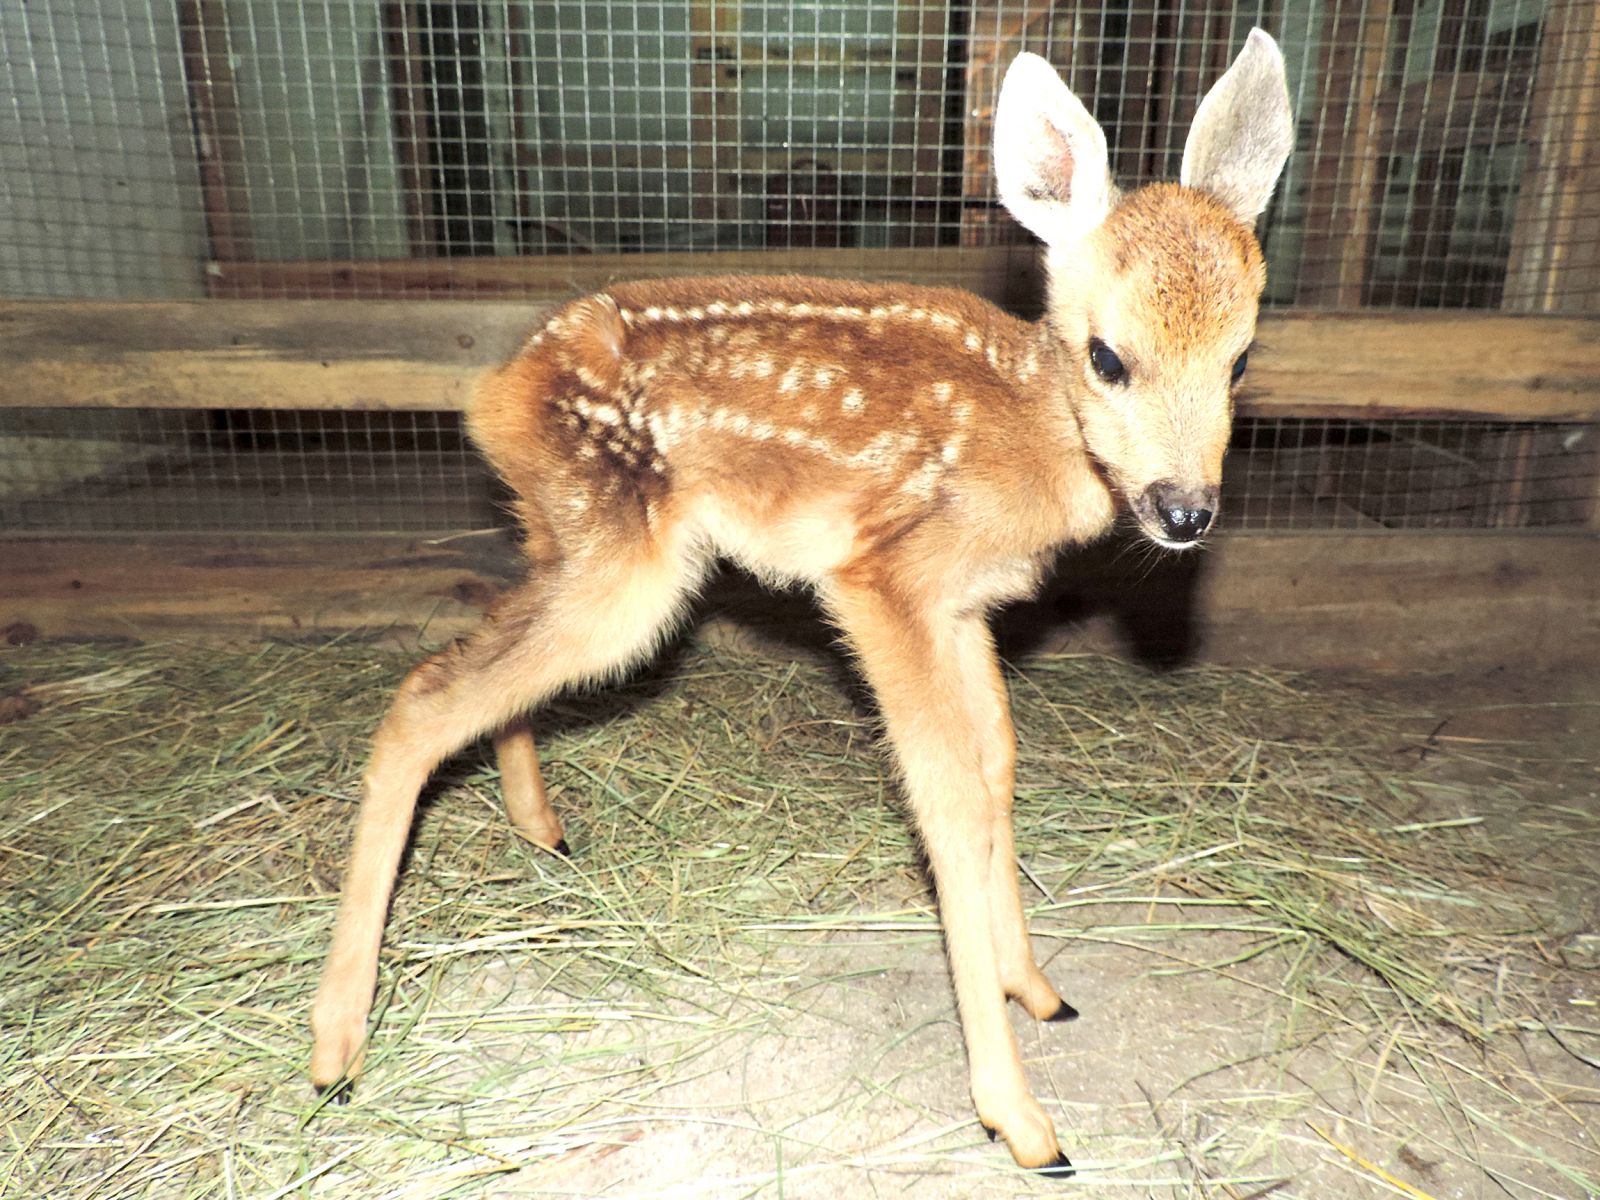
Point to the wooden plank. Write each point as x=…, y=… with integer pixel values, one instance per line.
x=423, y=355
x=1389, y=601
x=562, y=277
x=250, y=587
x=1394, y=364
x=247, y=354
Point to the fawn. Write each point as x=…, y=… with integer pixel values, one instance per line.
x=915, y=455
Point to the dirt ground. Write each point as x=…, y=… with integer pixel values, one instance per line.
x=1188, y=1074
x=816, y=1053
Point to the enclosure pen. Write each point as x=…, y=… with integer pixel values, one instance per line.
x=1307, y=820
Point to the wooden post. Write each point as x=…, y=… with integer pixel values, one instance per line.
x=993, y=39
x=203, y=30
x=402, y=47
x=922, y=26
x=1346, y=164
x=714, y=106
x=1554, y=264
x=1130, y=131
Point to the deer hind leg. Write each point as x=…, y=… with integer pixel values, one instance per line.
x=527, y=804
x=581, y=621
x=916, y=671
x=985, y=690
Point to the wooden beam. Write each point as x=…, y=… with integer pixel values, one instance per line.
x=254, y=354
x=1394, y=364
x=564, y=277
x=1388, y=601
x=1364, y=601
x=422, y=356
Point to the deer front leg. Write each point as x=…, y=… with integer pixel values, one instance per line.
x=985, y=691
x=915, y=670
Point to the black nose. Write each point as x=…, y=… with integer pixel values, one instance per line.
x=1184, y=513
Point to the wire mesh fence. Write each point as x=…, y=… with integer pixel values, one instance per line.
x=246, y=147
x=233, y=471
x=257, y=149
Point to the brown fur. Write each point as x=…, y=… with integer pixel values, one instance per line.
x=915, y=455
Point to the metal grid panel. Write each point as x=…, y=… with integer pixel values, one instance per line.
x=229, y=471
x=259, y=148
x=1393, y=474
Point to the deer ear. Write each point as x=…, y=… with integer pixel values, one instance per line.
x=1049, y=155
x=1243, y=131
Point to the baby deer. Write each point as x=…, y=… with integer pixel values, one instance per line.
x=915, y=455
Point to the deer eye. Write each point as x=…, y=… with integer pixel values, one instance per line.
x=1239, y=365
x=1106, y=363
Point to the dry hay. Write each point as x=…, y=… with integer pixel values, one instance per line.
x=173, y=820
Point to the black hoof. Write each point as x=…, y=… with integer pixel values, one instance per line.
x=1065, y=1013
x=337, y=1093
x=1060, y=1169
x=562, y=848
x=989, y=1129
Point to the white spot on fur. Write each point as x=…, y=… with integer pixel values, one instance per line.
x=942, y=391
x=885, y=450
x=758, y=368
x=922, y=483
x=854, y=401
x=824, y=377
x=666, y=428
x=590, y=380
